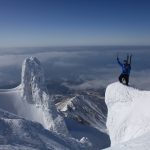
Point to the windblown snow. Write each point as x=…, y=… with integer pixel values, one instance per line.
x=17, y=133
x=34, y=91
x=28, y=110
x=31, y=100
x=128, y=113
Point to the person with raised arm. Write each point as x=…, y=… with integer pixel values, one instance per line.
x=126, y=68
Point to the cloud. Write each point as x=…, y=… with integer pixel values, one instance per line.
x=94, y=66
x=92, y=84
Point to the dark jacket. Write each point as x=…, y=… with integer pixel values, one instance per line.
x=126, y=68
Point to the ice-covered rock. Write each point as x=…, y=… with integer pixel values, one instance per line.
x=86, y=109
x=85, y=140
x=17, y=133
x=33, y=82
x=34, y=92
x=32, y=104
x=128, y=112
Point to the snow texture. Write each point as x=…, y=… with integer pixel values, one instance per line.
x=86, y=109
x=34, y=91
x=27, y=111
x=98, y=140
x=140, y=143
x=17, y=133
x=128, y=112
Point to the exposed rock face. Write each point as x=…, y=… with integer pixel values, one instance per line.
x=34, y=92
x=86, y=109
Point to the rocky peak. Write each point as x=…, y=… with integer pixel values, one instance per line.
x=34, y=92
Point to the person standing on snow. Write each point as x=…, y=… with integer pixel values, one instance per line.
x=126, y=68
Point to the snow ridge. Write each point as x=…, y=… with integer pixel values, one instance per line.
x=86, y=110
x=18, y=133
x=32, y=104
x=128, y=112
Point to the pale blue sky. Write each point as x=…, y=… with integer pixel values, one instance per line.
x=25, y=23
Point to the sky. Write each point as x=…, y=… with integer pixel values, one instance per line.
x=43, y=23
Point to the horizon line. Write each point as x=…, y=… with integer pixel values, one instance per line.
x=60, y=46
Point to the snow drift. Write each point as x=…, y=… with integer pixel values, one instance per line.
x=128, y=112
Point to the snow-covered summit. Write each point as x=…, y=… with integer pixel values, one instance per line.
x=32, y=81
x=32, y=104
x=128, y=112
x=33, y=91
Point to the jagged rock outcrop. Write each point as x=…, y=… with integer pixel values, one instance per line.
x=34, y=92
x=86, y=109
x=33, y=82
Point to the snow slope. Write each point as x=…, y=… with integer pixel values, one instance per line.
x=140, y=143
x=86, y=109
x=17, y=133
x=31, y=110
x=85, y=115
x=31, y=99
x=128, y=112
x=98, y=140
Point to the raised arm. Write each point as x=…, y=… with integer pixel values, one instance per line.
x=119, y=62
x=130, y=60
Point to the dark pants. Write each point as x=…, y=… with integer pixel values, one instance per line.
x=123, y=78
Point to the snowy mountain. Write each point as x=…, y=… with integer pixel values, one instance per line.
x=128, y=113
x=140, y=143
x=34, y=91
x=31, y=100
x=17, y=133
x=33, y=117
x=29, y=118
x=86, y=108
